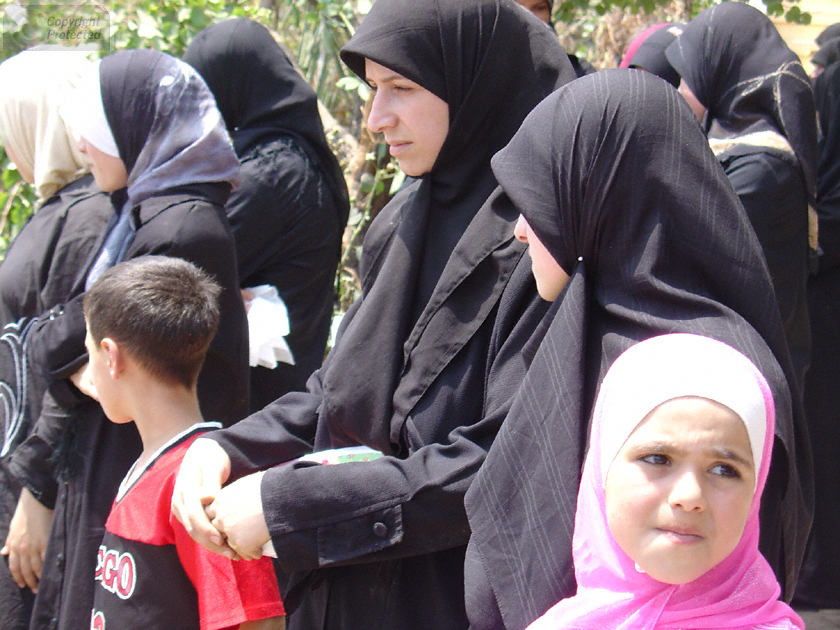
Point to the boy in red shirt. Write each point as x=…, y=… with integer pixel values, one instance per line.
x=149, y=323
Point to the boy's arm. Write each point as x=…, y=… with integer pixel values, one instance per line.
x=274, y=623
x=229, y=591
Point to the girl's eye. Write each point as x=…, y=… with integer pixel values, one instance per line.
x=725, y=470
x=656, y=459
x=402, y=88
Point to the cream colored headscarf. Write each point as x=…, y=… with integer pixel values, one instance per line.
x=35, y=82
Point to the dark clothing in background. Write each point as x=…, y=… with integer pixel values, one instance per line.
x=770, y=185
x=41, y=264
x=37, y=272
x=829, y=32
x=650, y=55
x=581, y=66
x=428, y=358
x=289, y=213
x=827, y=91
x=288, y=234
x=828, y=53
x=643, y=218
x=761, y=123
x=820, y=576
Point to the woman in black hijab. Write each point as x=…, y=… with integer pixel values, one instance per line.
x=817, y=588
x=289, y=213
x=618, y=185
x=426, y=361
x=828, y=54
x=155, y=140
x=829, y=32
x=650, y=55
x=761, y=123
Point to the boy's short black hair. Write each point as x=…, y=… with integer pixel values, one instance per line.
x=163, y=311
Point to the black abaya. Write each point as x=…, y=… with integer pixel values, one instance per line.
x=616, y=179
x=761, y=124
x=381, y=544
x=820, y=576
x=289, y=213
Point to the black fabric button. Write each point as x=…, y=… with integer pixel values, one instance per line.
x=59, y=561
x=53, y=623
x=380, y=530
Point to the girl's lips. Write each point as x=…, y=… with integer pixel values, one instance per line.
x=681, y=535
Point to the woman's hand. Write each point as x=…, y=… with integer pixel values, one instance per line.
x=238, y=514
x=26, y=543
x=83, y=380
x=204, y=469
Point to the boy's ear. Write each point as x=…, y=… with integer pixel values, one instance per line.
x=116, y=357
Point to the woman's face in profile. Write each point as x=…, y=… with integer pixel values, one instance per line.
x=550, y=276
x=108, y=171
x=693, y=102
x=415, y=122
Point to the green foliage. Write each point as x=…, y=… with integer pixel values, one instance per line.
x=570, y=10
x=17, y=199
x=167, y=25
x=170, y=25
x=315, y=31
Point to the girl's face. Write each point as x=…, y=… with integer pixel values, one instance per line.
x=679, y=491
x=547, y=271
x=108, y=171
x=415, y=122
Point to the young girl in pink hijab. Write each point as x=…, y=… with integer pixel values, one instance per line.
x=666, y=529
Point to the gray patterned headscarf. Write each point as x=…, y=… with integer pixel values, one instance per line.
x=165, y=126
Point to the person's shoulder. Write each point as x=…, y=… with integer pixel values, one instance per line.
x=768, y=172
x=184, y=199
x=279, y=161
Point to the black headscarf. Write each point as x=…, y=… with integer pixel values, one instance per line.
x=828, y=53
x=829, y=32
x=827, y=92
x=617, y=180
x=260, y=94
x=492, y=63
x=740, y=69
x=651, y=53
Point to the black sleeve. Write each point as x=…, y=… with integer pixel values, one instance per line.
x=36, y=461
x=391, y=507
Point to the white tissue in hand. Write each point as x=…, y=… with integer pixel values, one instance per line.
x=268, y=324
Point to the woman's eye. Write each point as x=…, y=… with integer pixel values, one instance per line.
x=656, y=459
x=725, y=470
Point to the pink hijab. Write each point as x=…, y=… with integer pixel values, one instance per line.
x=634, y=46
x=741, y=591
